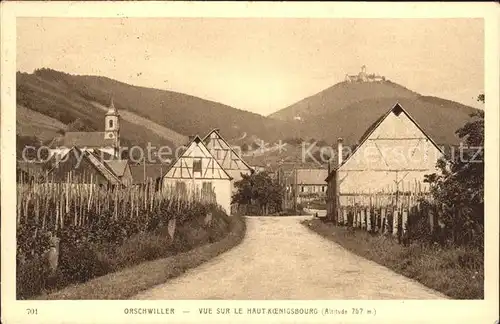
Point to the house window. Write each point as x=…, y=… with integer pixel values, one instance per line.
x=110, y=123
x=302, y=189
x=323, y=188
x=197, y=165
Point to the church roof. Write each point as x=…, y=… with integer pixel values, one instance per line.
x=83, y=139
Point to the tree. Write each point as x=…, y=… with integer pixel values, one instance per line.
x=79, y=125
x=245, y=147
x=459, y=184
x=258, y=189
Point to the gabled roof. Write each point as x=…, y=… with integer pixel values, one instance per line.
x=141, y=173
x=117, y=166
x=94, y=161
x=199, y=142
x=397, y=109
x=99, y=165
x=82, y=139
x=311, y=176
x=225, y=146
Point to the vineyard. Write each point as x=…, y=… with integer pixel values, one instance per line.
x=72, y=232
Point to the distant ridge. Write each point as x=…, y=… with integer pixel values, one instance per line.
x=163, y=117
x=339, y=96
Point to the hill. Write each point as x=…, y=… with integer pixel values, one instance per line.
x=53, y=101
x=32, y=123
x=339, y=96
x=348, y=109
x=57, y=100
x=181, y=113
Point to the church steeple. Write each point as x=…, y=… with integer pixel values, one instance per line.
x=112, y=109
x=112, y=125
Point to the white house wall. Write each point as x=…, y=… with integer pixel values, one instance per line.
x=396, y=153
x=371, y=181
x=221, y=187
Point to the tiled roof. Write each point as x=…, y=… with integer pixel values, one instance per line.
x=95, y=161
x=153, y=171
x=117, y=166
x=105, y=171
x=311, y=176
x=82, y=139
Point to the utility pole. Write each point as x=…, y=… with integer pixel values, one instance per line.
x=296, y=187
x=144, y=169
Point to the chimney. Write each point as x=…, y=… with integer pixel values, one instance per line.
x=191, y=138
x=339, y=150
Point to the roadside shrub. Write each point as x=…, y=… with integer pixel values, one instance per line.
x=141, y=247
x=30, y=277
x=80, y=262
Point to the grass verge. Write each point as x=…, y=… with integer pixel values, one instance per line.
x=457, y=272
x=129, y=282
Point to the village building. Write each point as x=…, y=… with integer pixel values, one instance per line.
x=107, y=141
x=302, y=183
x=122, y=170
x=197, y=172
x=309, y=184
x=29, y=171
x=394, y=154
x=227, y=157
x=82, y=167
x=143, y=174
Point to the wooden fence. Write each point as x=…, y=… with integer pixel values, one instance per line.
x=393, y=211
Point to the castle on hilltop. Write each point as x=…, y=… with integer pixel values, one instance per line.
x=364, y=77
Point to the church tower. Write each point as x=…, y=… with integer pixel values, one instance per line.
x=112, y=125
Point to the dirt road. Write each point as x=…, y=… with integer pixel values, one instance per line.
x=281, y=259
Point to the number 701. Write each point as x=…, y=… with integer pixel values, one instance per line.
x=32, y=311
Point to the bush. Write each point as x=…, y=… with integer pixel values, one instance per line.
x=107, y=245
x=126, y=284
x=80, y=262
x=140, y=247
x=30, y=277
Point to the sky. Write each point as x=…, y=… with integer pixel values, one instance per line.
x=260, y=64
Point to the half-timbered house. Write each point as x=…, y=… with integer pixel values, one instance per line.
x=227, y=157
x=196, y=171
x=393, y=154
